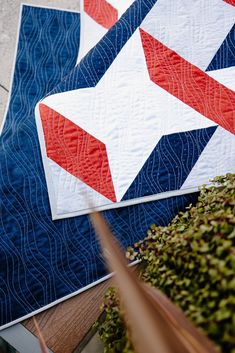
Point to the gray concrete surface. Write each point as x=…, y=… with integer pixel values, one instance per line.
x=9, y=19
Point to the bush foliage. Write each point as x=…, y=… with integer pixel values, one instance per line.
x=192, y=260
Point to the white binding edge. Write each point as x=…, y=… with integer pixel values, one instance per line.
x=82, y=35
x=125, y=203
x=48, y=306
x=50, y=7
x=50, y=186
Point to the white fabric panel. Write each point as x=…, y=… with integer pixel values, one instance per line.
x=173, y=22
x=127, y=112
x=121, y=5
x=218, y=158
x=73, y=192
x=91, y=33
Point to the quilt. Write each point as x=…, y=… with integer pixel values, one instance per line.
x=157, y=101
x=143, y=119
x=97, y=17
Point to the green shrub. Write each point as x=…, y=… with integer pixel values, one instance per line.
x=192, y=261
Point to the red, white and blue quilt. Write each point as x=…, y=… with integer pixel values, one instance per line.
x=156, y=102
x=146, y=115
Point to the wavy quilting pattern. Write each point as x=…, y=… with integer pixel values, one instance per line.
x=41, y=260
x=198, y=90
x=143, y=91
x=47, y=50
x=170, y=162
x=83, y=155
x=93, y=66
x=102, y=12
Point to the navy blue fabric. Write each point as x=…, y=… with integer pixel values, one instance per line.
x=30, y=274
x=43, y=260
x=225, y=56
x=170, y=163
